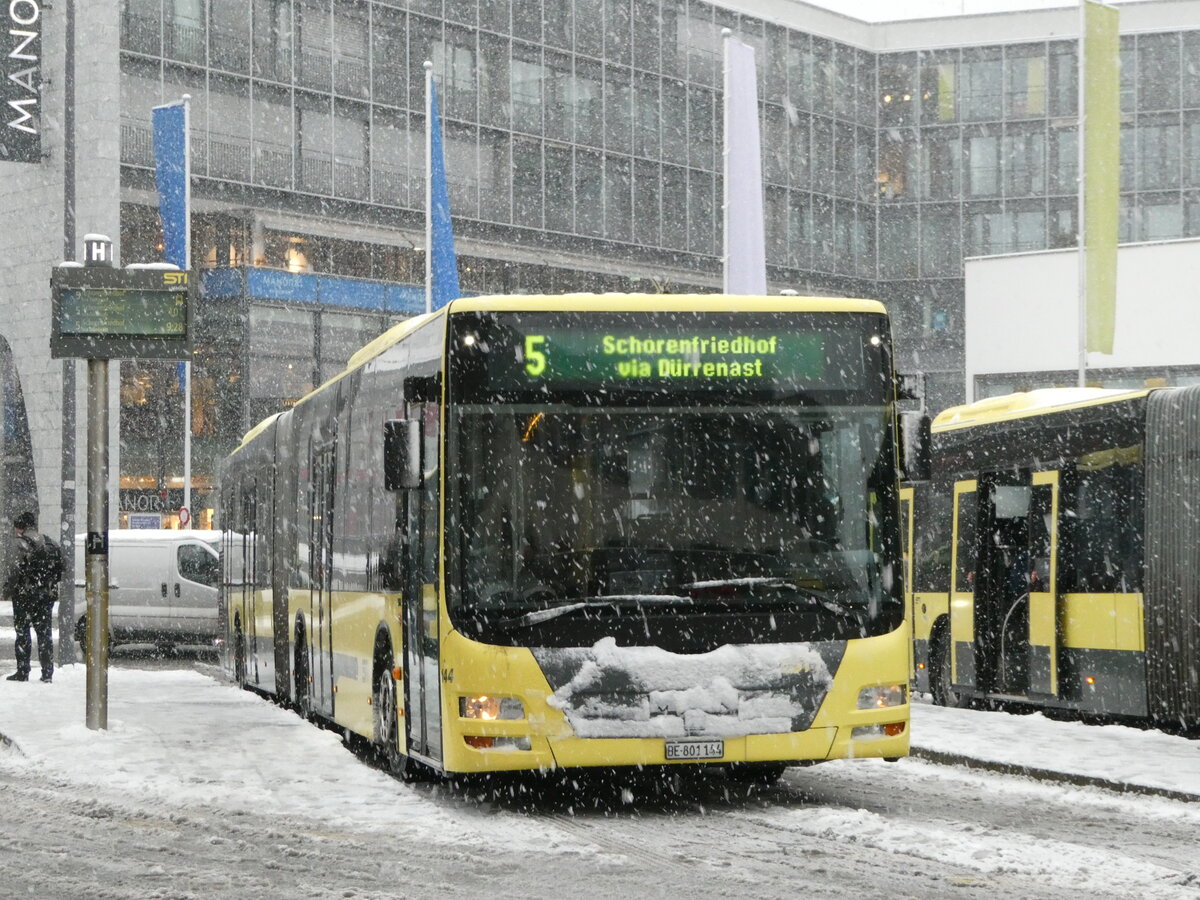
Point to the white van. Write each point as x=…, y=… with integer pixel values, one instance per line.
x=162, y=586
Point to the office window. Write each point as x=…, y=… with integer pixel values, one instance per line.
x=229, y=35
x=527, y=90
x=589, y=193
x=229, y=129
x=1024, y=161
x=350, y=68
x=1025, y=82
x=274, y=137
x=1064, y=78
x=495, y=176
x=941, y=242
x=646, y=118
x=618, y=207
x=314, y=67
x=1063, y=162
x=983, y=164
x=799, y=229
x=350, y=177
x=586, y=103
x=647, y=187
x=939, y=88
x=389, y=50
x=560, y=189
x=494, y=81
x=700, y=212
x=1158, y=150
x=1158, y=72
x=316, y=145
x=527, y=183
x=389, y=158
x=674, y=200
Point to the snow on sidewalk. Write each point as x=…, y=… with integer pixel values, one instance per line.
x=1100, y=753
x=179, y=738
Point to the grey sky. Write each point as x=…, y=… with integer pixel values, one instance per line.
x=894, y=10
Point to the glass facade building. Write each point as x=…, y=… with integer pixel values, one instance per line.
x=583, y=146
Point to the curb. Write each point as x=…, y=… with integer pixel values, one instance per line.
x=1119, y=787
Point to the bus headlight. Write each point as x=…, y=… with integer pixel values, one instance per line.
x=882, y=696
x=487, y=707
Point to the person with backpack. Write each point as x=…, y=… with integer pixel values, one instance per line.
x=32, y=586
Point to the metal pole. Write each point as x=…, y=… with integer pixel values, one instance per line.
x=97, y=545
x=187, y=267
x=1082, y=229
x=66, y=593
x=428, y=185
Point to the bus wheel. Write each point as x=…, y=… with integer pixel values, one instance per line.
x=239, y=657
x=941, y=675
x=383, y=704
x=300, y=687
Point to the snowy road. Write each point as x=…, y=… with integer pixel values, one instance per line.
x=200, y=790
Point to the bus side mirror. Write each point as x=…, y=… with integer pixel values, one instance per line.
x=916, y=452
x=401, y=455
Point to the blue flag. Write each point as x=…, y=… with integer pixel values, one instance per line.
x=442, y=258
x=172, y=171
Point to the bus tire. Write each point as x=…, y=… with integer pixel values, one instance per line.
x=386, y=732
x=300, y=682
x=941, y=675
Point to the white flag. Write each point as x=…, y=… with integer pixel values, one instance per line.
x=745, y=253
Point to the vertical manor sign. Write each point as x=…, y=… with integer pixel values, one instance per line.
x=20, y=92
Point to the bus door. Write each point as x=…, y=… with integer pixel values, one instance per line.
x=963, y=565
x=321, y=577
x=421, y=632
x=245, y=592
x=906, y=549
x=1043, y=596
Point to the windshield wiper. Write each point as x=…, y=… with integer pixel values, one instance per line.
x=610, y=601
x=776, y=583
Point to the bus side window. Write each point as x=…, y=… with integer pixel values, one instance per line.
x=968, y=524
x=1040, y=511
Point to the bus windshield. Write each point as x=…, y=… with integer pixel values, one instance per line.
x=690, y=525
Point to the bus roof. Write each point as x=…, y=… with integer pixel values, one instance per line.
x=618, y=302
x=1024, y=404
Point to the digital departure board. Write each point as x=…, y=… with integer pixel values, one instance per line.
x=109, y=313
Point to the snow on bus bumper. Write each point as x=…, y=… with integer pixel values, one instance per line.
x=580, y=706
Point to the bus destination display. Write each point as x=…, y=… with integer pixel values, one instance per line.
x=778, y=354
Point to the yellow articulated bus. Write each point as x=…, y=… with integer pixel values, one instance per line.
x=527, y=533
x=1055, y=553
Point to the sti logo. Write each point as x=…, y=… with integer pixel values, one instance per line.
x=175, y=278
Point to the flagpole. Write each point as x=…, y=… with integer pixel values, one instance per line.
x=428, y=186
x=187, y=267
x=1082, y=229
x=726, y=130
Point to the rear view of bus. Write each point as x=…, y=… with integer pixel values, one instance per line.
x=671, y=535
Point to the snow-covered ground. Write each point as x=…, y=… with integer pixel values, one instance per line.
x=197, y=789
